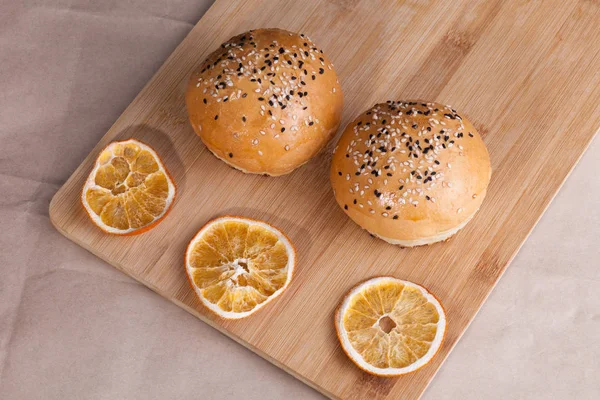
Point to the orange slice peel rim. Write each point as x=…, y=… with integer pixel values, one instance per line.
x=357, y=358
x=291, y=253
x=90, y=182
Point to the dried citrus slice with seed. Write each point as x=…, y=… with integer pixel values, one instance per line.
x=129, y=190
x=390, y=327
x=238, y=265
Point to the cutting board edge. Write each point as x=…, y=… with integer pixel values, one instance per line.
x=64, y=192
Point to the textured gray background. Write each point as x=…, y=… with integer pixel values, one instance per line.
x=73, y=327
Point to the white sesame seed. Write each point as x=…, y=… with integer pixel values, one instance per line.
x=287, y=148
x=459, y=210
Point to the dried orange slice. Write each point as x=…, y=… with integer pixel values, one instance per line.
x=390, y=327
x=129, y=190
x=238, y=265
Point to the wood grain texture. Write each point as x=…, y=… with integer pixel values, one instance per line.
x=525, y=72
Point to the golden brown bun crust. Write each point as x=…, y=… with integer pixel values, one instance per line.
x=410, y=172
x=266, y=101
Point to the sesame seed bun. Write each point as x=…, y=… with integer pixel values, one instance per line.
x=411, y=173
x=265, y=102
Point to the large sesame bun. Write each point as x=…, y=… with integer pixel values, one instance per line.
x=411, y=173
x=265, y=102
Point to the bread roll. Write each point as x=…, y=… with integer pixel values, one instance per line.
x=265, y=102
x=411, y=173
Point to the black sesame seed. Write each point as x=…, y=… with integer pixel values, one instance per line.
x=244, y=118
x=230, y=155
x=345, y=207
x=395, y=217
x=340, y=173
x=401, y=187
x=216, y=117
x=204, y=101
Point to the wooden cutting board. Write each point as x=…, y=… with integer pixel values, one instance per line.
x=527, y=73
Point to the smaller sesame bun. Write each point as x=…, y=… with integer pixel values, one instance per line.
x=265, y=102
x=411, y=173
